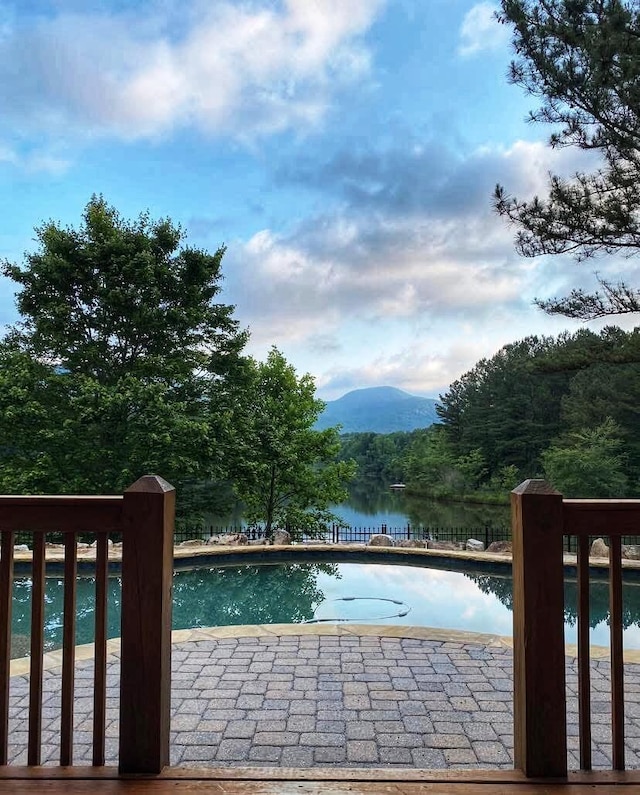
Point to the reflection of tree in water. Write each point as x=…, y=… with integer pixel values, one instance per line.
x=439, y=513
x=280, y=594
x=53, y=612
x=502, y=588
x=269, y=594
x=373, y=497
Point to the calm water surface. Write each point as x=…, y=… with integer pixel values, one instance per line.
x=374, y=505
x=296, y=593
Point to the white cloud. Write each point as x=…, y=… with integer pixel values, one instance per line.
x=416, y=288
x=231, y=68
x=480, y=30
x=36, y=161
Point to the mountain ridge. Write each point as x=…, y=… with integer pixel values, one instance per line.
x=378, y=409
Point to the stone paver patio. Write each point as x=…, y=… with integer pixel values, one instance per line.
x=331, y=696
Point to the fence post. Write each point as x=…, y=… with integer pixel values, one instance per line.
x=145, y=665
x=539, y=701
x=408, y=531
x=383, y=529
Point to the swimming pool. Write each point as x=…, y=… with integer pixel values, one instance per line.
x=284, y=593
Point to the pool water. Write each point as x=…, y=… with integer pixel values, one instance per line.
x=324, y=593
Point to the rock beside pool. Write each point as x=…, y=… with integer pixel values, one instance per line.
x=281, y=538
x=446, y=545
x=413, y=543
x=599, y=549
x=500, y=547
x=258, y=542
x=228, y=539
x=21, y=548
x=381, y=540
x=192, y=542
x=473, y=545
x=631, y=551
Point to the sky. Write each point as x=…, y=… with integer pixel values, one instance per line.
x=344, y=151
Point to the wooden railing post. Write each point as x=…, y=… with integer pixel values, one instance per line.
x=540, y=723
x=145, y=665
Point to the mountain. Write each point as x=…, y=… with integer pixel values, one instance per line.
x=380, y=409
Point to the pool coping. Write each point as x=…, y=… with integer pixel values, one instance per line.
x=53, y=659
x=196, y=555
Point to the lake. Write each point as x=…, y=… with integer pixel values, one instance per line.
x=373, y=505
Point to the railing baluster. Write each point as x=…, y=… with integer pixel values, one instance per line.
x=617, y=661
x=100, y=649
x=6, y=593
x=584, y=659
x=68, y=649
x=37, y=648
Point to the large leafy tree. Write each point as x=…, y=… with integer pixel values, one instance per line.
x=120, y=342
x=117, y=297
x=588, y=463
x=284, y=470
x=581, y=59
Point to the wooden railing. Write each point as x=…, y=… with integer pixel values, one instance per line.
x=540, y=519
x=144, y=516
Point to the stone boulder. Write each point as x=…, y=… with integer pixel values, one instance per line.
x=381, y=540
x=445, y=545
x=500, y=547
x=192, y=542
x=412, y=543
x=228, y=539
x=473, y=545
x=631, y=551
x=281, y=538
x=599, y=549
x=258, y=542
x=21, y=548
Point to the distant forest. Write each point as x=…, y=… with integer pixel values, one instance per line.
x=566, y=409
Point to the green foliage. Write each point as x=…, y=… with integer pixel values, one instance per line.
x=120, y=343
x=506, y=408
x=533, y=395
x=380, y=457
x=581, y=58
x=588, y=463
x=116, y=298
x=285, y=471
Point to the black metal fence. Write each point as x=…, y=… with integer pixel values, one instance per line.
x=337, y=534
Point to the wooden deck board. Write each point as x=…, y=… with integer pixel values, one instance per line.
x=242, y=781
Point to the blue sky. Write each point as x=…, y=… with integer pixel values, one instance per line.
x=345, y=151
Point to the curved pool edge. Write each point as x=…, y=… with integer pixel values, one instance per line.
x=194, y=556
x=53, y=659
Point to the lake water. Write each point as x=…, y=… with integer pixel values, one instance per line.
x=375, y=505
